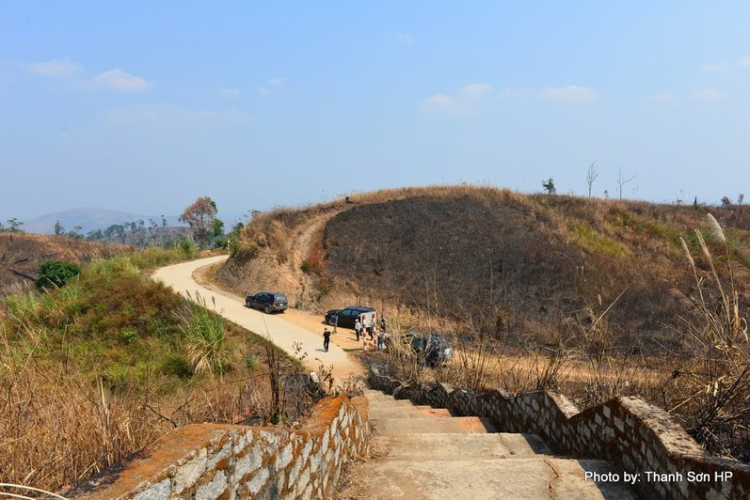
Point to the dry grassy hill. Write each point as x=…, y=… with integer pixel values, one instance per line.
x=526, y=268
x=21, y=254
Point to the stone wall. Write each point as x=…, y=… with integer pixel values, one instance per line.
x=626, y=431
x=207, y=461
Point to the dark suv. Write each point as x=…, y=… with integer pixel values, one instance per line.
x=267, y=301
x=430, y=348
x=348, y=316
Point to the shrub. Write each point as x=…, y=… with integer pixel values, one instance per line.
x=188, y=248
x=251, y=362
x=204, y=332
x=177, y=365
x=129, y=336
x=55, y=273
x=221, y=242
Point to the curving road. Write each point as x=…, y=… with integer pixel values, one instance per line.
x=283, y=333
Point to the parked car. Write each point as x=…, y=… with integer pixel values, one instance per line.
x=430, y=348
x=349, y=315
x=267, y=301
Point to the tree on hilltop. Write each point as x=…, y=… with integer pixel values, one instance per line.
x=201, y=217
x=591, y=175
x=14, y=225
x=549, y=186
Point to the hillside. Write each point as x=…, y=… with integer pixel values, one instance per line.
x=87, y=218
x=21, y=254
x=523, y=268
x=95, y=370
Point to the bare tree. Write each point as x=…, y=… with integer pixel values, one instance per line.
x=591, y=176
x=622, y=181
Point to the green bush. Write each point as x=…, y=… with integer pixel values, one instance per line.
x=188, y=248
x=129, y=336
x=221, y=242
x=55, y=273
x=176, y=364
x=251, y=362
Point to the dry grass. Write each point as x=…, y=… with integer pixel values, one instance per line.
x=705, y=384
x=60, y=426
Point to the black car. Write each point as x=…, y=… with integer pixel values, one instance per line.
x=430, y=348
x=348, y=315
x=267, y=301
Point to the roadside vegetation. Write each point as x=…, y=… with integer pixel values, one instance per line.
x=98, y=368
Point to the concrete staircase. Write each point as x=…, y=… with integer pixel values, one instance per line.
x=419, y=452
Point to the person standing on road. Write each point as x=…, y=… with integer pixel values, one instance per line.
x=381, y=338
x=335, y=322
x=382, y=323
x=326, y=339
x=357, y=328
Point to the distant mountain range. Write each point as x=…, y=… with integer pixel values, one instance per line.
x=89, y=219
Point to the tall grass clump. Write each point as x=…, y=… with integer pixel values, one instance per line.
x=204, y=338
x=718, y=380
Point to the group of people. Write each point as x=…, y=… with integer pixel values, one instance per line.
x=376, y=338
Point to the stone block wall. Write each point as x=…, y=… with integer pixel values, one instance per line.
x=628, y=432
x=208, y=461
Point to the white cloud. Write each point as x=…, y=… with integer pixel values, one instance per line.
x=441, y=103
x=474, y=90
x=58, y=68
x=461, y=103
x=405, y=38
x=233, y=92
x=745, y=62
x=571, y=94
x=117, y=79
x=707, y=95
x=663, y=97
x=275, y=82
x=716, y=68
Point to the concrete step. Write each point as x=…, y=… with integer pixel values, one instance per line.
x=533, y=478
x=456, y=447
x=426, y=407
x=391, y=403
x=430, y=425
x=408, y=412
x=372, y=393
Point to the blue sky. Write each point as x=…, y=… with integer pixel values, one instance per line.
x=142, y=108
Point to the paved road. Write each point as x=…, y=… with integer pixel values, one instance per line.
x=283, y=333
